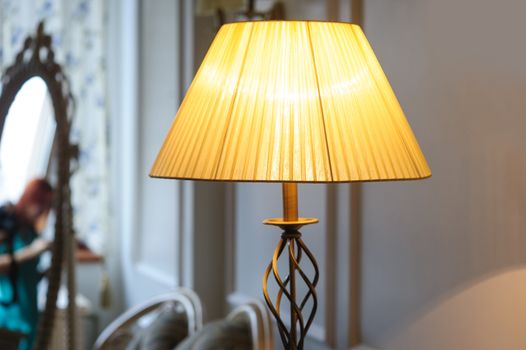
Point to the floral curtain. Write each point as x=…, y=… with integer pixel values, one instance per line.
x=78, y=29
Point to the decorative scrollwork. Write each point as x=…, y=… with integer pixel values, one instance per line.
x=290, y=337
x=37, y=59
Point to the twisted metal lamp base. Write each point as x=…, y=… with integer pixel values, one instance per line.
x=293, y=338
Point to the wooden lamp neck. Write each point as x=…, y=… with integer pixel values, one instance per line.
x=290, y=201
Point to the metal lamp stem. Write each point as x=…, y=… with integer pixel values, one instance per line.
x=293, y=337
x=290, y=201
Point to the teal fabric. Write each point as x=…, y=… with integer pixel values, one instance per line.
x=21, y=316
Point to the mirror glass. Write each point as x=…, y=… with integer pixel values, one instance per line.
x=27, y=139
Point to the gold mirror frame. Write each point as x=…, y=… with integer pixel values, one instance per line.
x=37, y=59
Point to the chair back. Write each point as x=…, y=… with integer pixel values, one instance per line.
x=181, y=296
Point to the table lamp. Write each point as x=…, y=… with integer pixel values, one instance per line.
x=290, y=102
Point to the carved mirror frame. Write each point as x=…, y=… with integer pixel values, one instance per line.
x=37, y=59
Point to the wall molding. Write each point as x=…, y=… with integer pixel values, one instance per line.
x=230, y=239
x=127, y=145
x=127, y=150
x=355, y=263
x=186, y=67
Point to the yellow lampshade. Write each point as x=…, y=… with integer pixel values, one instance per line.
x=291, y=101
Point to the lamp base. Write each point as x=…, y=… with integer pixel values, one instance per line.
x=293, y=337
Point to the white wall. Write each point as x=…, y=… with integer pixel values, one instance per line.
x=458, y=69
x=148, y=211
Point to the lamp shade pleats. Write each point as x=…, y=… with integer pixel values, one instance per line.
x=290, y=101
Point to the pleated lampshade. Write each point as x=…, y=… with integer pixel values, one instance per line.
x=290, y=101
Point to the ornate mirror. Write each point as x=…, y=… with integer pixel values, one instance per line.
x=35, y=123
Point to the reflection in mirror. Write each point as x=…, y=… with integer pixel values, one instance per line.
x=25, y=149
x=35, y=100
x=27, y=138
